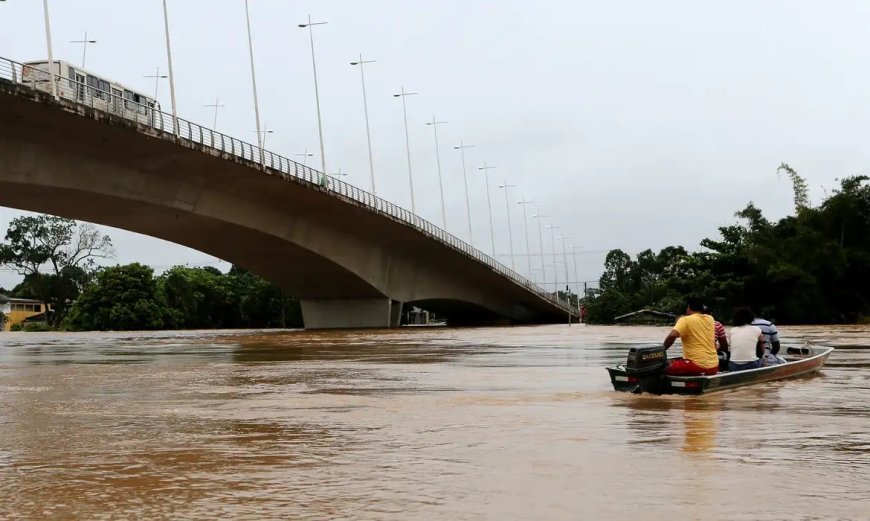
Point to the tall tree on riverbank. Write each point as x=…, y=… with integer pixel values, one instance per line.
x=122, y=298
x=207, y=298
x=56, y=256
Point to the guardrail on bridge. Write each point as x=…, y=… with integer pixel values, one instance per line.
x=112, y=103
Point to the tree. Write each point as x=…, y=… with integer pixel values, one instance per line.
x=56, y=257
x=206, y=298
x=799, y=186
x=263, y=304
x=122, y=298
x=617, y=271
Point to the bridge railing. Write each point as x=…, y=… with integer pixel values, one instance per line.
x=149, y=114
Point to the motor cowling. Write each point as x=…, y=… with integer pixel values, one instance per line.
x=645, y=367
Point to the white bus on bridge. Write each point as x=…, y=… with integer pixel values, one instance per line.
x=75, y=83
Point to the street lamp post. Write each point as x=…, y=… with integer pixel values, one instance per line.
x=434, y=124
x=403, y=95
x=539, y=217
x=254, y=83
x=305, y=155
x=563, y=238
x=507, y=208
x=264, y=132
x=216, y=105
x=486, y=168
x=553, y=229
x=576, y=278
x=461, y=149
x=310, y=26
x=50, y=53
x=567, y=283
x=362, y=75
x=84, y=43
x=525, y=203
x=172, y=76
x=157, y=77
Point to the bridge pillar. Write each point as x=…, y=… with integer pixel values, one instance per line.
x=351, y=313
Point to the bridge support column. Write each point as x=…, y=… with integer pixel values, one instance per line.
x=395, y=313
x=351, y=313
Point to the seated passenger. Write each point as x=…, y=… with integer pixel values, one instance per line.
x=747, y=342
x=696, y=332
x=771, y=340
x=721, y=340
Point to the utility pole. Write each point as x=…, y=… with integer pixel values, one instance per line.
x=84, y=43
x=539, y=217
x=172, y=76
x=486, y=168
x=461, y=149
x=507, y=208
x=254, y=84
x=362, y=75
x=157, y=77
x=216, y=105
x=525, y=203
x=50, y=54
x=434, y=124
x=403, y=95
x=310, y=26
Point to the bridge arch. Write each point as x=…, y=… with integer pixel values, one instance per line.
x=350, y=266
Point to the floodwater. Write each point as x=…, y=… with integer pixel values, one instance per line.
x=417, y=423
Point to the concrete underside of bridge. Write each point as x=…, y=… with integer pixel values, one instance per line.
x=349, y=266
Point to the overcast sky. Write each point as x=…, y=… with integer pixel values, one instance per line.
x=632, y=124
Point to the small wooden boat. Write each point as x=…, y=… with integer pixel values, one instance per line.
x=644, y=372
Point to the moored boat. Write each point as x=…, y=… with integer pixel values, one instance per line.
x=644, y=372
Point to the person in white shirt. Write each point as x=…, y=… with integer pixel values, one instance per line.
x=746, y=342
x=771, y=342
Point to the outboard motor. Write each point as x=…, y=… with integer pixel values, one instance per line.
x=643, y=370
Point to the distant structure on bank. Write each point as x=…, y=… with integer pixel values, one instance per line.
x=646, y=317
x=20, y=310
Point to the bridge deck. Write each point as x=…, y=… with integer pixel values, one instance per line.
x=191, y=136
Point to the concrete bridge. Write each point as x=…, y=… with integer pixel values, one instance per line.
x=351, y=258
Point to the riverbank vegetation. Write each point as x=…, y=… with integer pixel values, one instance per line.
x=809, y=267
x=131, y=297
x=57, y=258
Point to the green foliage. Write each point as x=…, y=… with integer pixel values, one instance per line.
x=130, y=297
x=206, y=298
x=122, y=298
x=56, y=257
x=799, y=186
x=813, y=267
x=37, y=327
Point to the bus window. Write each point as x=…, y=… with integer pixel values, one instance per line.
x=117, y=95
x=80, y=86
x=94, y=86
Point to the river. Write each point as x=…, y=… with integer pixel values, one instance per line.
x=417, y=423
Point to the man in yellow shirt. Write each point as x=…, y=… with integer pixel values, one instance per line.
x=697, y=334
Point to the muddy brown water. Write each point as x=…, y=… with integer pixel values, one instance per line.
x=417, y=423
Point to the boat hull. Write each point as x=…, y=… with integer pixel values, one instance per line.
x=810, y=360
